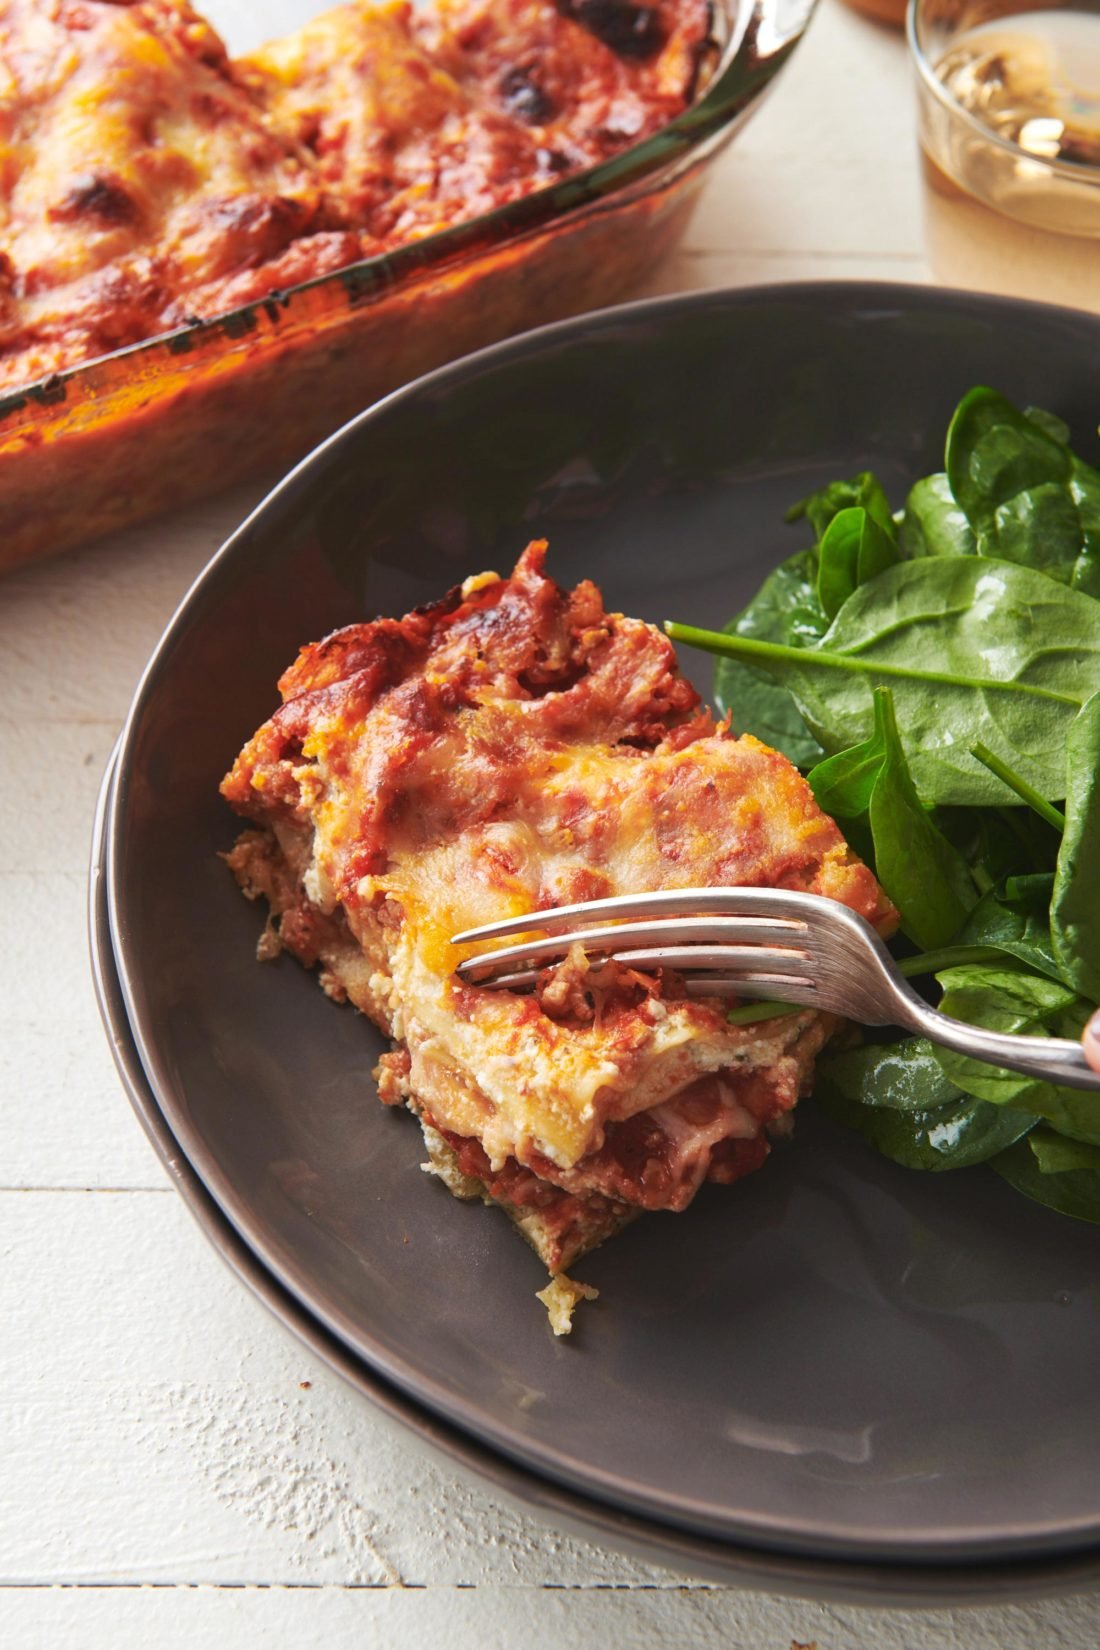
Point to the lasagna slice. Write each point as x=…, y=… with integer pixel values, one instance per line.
x=511, y=749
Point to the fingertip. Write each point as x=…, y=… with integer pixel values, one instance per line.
x=1092, y=1041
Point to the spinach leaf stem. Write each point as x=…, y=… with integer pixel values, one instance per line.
x=1027, y=793
x=948, y=956
x=747, y=1014
x=820, y=658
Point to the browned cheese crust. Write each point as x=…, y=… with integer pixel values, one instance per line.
x=146, y=179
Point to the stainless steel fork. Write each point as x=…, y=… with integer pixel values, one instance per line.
x=759, y=943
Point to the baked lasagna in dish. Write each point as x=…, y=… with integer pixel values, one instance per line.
x=511, y=749
x=148, y=180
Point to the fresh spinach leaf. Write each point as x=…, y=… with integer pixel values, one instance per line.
x=1038, y=527
x=1014, y=918
x=1016, y=1001
x=920, y=870
x=1075, y=906
x=902, y=1076
x=1000, y=842
x=978, y=611
x=756, y=702
x=993, y=454
x=853, y=549
x=932, y=524
x=923, y=874
x=1028, y=498
x=976, y=651
x=1073, y=1192
x=842, y=784
x=1057, y=1155
x=1002, y=999
x=863, y=491
x=900, y=1102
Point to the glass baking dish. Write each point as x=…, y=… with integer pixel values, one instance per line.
x=191, y=411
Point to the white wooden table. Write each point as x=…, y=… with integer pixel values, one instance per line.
x=177, y=1470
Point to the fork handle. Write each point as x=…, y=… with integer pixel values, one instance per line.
x=1047, y=1059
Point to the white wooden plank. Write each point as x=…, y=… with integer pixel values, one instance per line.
x=46, y=818
x=76, y=631
x=42, y=941
x=64, y=1117
x=163, y=1429
x=501, y=1618
x=157, y=1429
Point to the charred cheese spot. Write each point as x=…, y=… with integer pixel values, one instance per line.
x=522, y=94
x=97, y=199
x=630, y=30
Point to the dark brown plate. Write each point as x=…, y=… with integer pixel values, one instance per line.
x=923, y=1584
x=838, y=1358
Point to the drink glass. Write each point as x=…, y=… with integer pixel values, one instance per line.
x=1008, y=95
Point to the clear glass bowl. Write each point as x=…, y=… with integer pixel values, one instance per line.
x=186, y=413
x=1005, y=209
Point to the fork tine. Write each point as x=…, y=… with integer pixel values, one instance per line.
x=751, y=987
x=755, y=961
x=779, y=905
x=748, y=959
x=727, y=929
